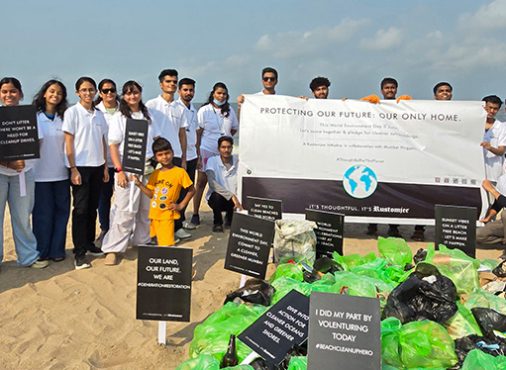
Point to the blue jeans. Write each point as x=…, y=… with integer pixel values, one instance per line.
x=104, y=202
x=20, y=209
x=50, y=217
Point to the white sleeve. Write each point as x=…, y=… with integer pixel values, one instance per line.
x=233, y=119
x=116, y=131
x=69, y=124
x=201, y=117
x=183, y=118
x=40, y=129
x=501, y=140
x=151, y=104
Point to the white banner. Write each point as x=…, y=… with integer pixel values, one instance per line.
x=386, y=162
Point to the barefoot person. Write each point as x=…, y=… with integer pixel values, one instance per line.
x=52, y=185
x=163, y=190
x=216, y=118
x=85, y=131
x=20, y=206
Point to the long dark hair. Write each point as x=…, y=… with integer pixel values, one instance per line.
x=40, y=102
x=14, y=81
x=123, y=106
x=225, y=108
x=101, y=85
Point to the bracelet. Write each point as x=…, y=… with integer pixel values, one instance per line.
x=118, y=169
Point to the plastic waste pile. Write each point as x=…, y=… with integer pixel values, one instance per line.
x=441, y=309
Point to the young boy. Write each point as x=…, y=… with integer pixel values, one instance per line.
x=163, y=188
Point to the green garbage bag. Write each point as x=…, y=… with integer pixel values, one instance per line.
x=457, y=266
x=285, y=284
x=352, y=260
x=482, y=298
x=202, y=362
x=479, y=360
x=462, y=323
x=211, y=337
x=395, y=250
x=325, y=284
x=298, y=363
x=390, y=328
x=426, y=344
x=352, y=284
x=380, y=270
x=290, y=270
x=240, y=367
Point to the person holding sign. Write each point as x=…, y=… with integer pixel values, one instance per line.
x=11, y=190
x=52, y=185
x=163, y=188
x=494, y=139
x=85, y=131
x=108, y=102
x=216, y=118
x=221, y=173
x=129, y=221
x=493, y=232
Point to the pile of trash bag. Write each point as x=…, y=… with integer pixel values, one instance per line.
x=439, y=310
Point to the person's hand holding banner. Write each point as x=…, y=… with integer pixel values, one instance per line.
x=16, y=165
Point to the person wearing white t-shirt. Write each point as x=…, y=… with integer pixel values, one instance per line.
x=216, y=118
x=269, y=82
x=52, y=186
x=85, y=131
x=494, y=139
x=221, y=171
x=107, y=102
x=11, y=185
x=130, y=209
x=186, y=92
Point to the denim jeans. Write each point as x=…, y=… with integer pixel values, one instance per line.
x=20, y=210
x=50, y=217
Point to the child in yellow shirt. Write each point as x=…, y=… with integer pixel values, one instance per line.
x=163, y=188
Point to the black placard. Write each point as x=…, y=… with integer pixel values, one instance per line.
x=249, y=244
x=344, y=330
x=19, y=138
x=134, y=150
x=456, y=227
x=281, y=328
x=268, y=209
x=164, y=276
x=330, y=231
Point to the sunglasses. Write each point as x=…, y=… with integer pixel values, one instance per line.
x=271, y=79
x=107, y=91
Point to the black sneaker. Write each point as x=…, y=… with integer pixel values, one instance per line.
x=81, y=262
x=372, y=229
x=217, y=228
x=418, y=236
x=94, y=250
x=393, y=232
x=195, y=220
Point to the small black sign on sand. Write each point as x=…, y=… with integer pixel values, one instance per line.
x=281, y=328
x=249, y=244
x=268, y=209
x=164, y=276
x=344, y=330
x=19, y=138
x=329, y=233
x=134, y=150
x=456, y=227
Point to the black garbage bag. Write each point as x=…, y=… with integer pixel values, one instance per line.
x=494, y=347
x=500, y=269
x=489, y=320
x=426, y=294
x=254, y=291
x=325, y=265
x=261, y=364
x=420, y=255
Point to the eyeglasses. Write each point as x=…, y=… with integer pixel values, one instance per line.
x=270, y=79
x=107, y=91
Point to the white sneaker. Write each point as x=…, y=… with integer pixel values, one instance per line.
x=189, y=226
x=182, y=234
x=40, y=264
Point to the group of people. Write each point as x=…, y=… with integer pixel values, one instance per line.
x=81, y=149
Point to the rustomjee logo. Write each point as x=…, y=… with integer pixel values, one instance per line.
x=360, y=181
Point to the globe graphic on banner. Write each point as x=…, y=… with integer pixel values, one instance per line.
x=360, y=181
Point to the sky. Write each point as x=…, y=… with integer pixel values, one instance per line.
x=353, y=43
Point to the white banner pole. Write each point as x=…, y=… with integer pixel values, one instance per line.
x=162, y=332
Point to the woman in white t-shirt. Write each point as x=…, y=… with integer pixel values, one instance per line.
x=216, y=118
x=17, y=188
x=52, y=186
x=85, y=131
x=129, y=211
x=108, y=102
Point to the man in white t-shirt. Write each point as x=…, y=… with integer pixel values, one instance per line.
x=494, y=139
x=269, y=82
x=175, y=133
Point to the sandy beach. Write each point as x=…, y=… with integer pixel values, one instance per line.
x=60, y=318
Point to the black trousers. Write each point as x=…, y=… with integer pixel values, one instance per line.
x=84, y=212
x=219, y=204
x=191, y=168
